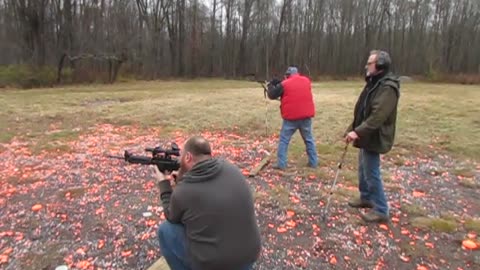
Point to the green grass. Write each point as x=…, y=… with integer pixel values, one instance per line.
x=468, y=171
x=473, y=225
x=444, y=115
x=413, y=209
x=435, y=224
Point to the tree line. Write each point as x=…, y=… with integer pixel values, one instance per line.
x=232, y=38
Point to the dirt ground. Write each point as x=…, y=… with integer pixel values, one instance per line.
x=84, y=210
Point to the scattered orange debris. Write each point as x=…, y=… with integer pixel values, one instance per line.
x=150, y=222
x=36, y=207
x=83, y=264
x=291, y=223
x=295, y=200
x=126, y=253
x=80, y=251
x=418, y=193
x=469, y=244
x=430, y=245
x=281, y=229
x=8, y=251
x=404, y=258
x=421, y=267
x=270, y=225
x=101, y=244
x=472, y=235
x=290, y=213
x=333, y=260
x=3, y=258
x=145, y=236
x=384, y=227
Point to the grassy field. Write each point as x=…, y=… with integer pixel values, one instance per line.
x=430, y=114
x=431, y=176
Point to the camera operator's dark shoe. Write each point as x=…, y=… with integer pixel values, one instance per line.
x=359, y=203
x=373, y=216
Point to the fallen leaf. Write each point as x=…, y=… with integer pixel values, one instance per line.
x=383, y=226
x=421, y=267
x=290, y=213
x=281, y=229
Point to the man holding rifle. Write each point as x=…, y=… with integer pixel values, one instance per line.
x=297, y=110
x=211, y=223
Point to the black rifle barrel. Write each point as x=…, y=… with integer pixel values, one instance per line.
x=140, y=160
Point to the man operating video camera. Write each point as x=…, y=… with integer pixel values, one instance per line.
x=211, y=221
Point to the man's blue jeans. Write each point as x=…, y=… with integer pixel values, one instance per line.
x=370, y=180
x=286, y=133
x=173, y=246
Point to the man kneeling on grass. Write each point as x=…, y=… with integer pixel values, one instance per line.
x=211, y=222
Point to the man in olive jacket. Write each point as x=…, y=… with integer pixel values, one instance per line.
x=373, y=132
x=211, y=222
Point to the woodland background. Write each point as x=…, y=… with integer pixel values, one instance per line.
x=104, y=40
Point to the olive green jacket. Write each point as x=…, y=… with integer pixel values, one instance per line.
x=375, y=115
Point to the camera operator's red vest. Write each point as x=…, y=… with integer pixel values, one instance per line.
x=297, y=99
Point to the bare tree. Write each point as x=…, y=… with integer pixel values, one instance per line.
x=231, y=38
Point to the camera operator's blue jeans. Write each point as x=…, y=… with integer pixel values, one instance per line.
x=286, y=133
x=173, y=245
x=370, y=181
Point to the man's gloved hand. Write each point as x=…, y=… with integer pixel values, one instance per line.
x=274, y=82
x=164, y=181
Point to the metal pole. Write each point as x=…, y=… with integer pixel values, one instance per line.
x=339, y=167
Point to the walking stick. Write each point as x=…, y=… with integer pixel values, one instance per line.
x=339, y=167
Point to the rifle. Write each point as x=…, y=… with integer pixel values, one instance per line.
x=162, y=158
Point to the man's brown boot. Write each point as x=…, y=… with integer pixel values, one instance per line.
x=359, y=203
x=373, y=216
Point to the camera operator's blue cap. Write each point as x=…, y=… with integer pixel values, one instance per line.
x=291, y=71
